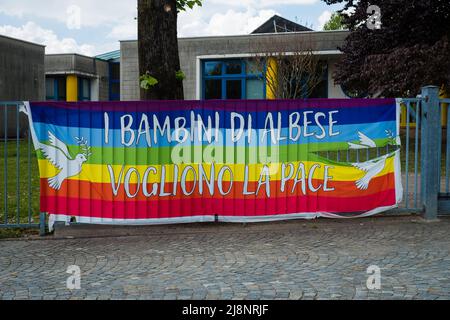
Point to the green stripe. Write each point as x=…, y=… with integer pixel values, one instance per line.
x=163, y=155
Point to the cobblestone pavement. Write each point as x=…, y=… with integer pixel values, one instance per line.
x=322, y=259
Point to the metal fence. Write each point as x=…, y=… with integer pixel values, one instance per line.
x=19, y=176
x=444, y=156
x=425, y=161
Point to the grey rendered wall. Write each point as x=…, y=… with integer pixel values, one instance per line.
x=22, y=78
x=129, y=71
x=103, y=77
x=22, y=75
x=191, y=48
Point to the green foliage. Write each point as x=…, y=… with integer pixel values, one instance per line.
x=180, y=76
x=335, y=23
x=182, y=5
x=147, y=81
x=409, y=50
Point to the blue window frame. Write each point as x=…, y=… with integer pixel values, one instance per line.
x=84, y=89
x=55, y=88
x=114, y=81
x=231, y=79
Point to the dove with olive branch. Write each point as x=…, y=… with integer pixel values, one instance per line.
x=372, y=167
x=58, y=154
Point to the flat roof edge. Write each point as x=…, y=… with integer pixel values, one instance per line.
x=23, y=41
x=254, y=35
x=72, y=54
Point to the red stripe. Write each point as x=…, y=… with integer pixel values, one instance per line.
x=207, y=206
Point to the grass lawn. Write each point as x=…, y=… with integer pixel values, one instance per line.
x=19, y=186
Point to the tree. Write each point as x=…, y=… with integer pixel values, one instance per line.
x=410, y=50
x=159, y=62
x=292, y=75
x=335, y=22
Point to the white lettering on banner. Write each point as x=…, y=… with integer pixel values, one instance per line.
x=197, y=128
x=157, y=181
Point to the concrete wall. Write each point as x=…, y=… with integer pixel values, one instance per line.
x=103, y=79
x=21, y=70
x=334, y=90
x=22, y=78
x=192, y=48
x=74, y=64
x=129, y=71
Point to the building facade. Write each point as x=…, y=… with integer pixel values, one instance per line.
x=221, y=67
x=22, y=78
x=73, y=77
x=22, y=74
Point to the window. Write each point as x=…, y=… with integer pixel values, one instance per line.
x=55, y=88
x=114, y=81
x=232, y=79
x=84, y=89
x=50, y=88
x=321, y=90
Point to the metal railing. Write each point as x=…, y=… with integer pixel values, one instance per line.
x=20, y=188
x=410, y=137
x=419, y=136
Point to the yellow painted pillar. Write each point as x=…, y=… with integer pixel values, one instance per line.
x=271, y=76
x=72, y=88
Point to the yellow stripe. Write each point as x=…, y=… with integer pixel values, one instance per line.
x=100, y=174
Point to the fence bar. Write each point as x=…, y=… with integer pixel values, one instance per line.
x=408, y=105
x=42, y=224
x=439, y=149
x=29, y=175
x=18, y=163
x=5, y=171
x=429, y=155
x=416, y=153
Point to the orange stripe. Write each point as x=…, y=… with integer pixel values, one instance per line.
x=103, y=191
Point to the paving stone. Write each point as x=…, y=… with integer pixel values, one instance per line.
x=323, y=259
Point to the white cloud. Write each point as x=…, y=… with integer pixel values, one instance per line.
x=205, y=21
x=262, y=3
x=125, y=31
x=215, y=17
x=34, y=33
x=93, y=13
x=323, y=18
x=230, y=22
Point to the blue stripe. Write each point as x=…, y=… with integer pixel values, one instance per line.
x=96, y=137
x=95, y=119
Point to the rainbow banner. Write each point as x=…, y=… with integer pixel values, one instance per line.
x=162, y=162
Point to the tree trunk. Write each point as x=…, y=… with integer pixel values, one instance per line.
x=158, y=48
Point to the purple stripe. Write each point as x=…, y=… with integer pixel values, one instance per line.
x=220, y=105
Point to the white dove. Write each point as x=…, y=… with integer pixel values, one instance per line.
x=58, y=154
x=364, y=142
x=373, y=168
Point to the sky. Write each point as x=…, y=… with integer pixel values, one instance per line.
x=92, y=27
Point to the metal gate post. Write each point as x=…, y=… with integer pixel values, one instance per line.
x=42, y=224
x=430, y=155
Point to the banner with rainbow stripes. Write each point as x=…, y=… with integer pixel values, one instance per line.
x=156, y=162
